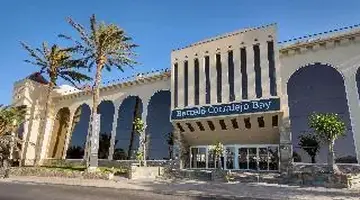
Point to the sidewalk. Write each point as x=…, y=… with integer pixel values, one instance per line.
x=206, y=189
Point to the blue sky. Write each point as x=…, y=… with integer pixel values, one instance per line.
x=157, y=26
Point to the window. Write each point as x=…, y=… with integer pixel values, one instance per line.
x=186, y=83
x=272, y=70
x=201, y=127
x=247, y=123
x=275, y=120
x=257, y=69
x=244, y=79
x=196, y=75
x=207, y=80
x=218, y=78
x=176, y=76
x=261, y=122
x=235, y=124
x=180, y=127
x=231, y=76
x=198, y=157
x=211, y=125
x=190, y=127
x=222, y=124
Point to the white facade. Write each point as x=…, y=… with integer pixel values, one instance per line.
x=340, y=51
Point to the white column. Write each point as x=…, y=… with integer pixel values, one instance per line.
x=250, y=70
x=68, y=133
x=181, y=84
x=47, y=136
x=264, y=64
x=145, y=101
x=225, y=77
x=236, y=159
x=202, y=80
x=237, y=74
x=191, y=82
x=117, y=105
x=354, y=108
x=213, y=80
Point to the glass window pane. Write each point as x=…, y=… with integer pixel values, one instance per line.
x=198, y=157
x=243, y=163
x=263, y=158
x=230, y=156
x=211, y=159
x=273, y=158
x=253, y=159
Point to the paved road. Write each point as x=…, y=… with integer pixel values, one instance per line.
x=15, y=191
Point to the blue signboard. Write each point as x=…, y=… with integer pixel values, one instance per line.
x=252, y=106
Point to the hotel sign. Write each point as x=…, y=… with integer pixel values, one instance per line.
x=244, y=107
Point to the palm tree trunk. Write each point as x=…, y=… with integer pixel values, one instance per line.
x=331, y=158
x=40, y=138
x=92, y=160
x=132, y=136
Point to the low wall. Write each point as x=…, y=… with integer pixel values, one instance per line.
x=316, y=175
x=110, y=163
x=136, y=172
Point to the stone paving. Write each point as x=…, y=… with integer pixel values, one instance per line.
x=205, y=189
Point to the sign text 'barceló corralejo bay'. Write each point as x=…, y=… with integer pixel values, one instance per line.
x=252, y=106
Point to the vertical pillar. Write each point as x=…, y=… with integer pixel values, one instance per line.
x=113, y=131
x=264, y=63
x=285, y=142
x=181, y=84
x=68, y=133
x=145, y=101
x=191, y=82
x=47, y=136
x=236, y=159
x=225, y=77
x=202, y=83
x=237, y=74
x=354, y=107
x=213, y=79
x=250, y=70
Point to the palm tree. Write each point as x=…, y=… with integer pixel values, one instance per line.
x=311, y=144
x=328, y=127
x=105, y=45
x=55, y=62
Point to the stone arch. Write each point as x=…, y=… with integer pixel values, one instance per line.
x=159, y=125
x=58, y=135
x=106, y=109
x=126, y=141
x=79, y=132
x=318, y=88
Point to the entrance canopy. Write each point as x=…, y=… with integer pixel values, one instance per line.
x=259, y=128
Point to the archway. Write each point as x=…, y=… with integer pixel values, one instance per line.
x=79, y=132
x=159, y=126
x=106, y=110
x=126, y=140
x=318, y=88
x=58, y=136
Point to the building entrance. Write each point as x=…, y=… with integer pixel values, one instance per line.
x=237, y=157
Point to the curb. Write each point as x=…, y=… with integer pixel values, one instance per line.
x=156, y=191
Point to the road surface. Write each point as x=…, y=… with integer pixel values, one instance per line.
x=17, y=191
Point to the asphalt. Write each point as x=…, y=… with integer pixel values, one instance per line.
x=20, y=191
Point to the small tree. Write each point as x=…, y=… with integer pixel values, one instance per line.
x=217, y=150
x=311, y=144
x=140, y=130
x=10, y=120
x=328, y=128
